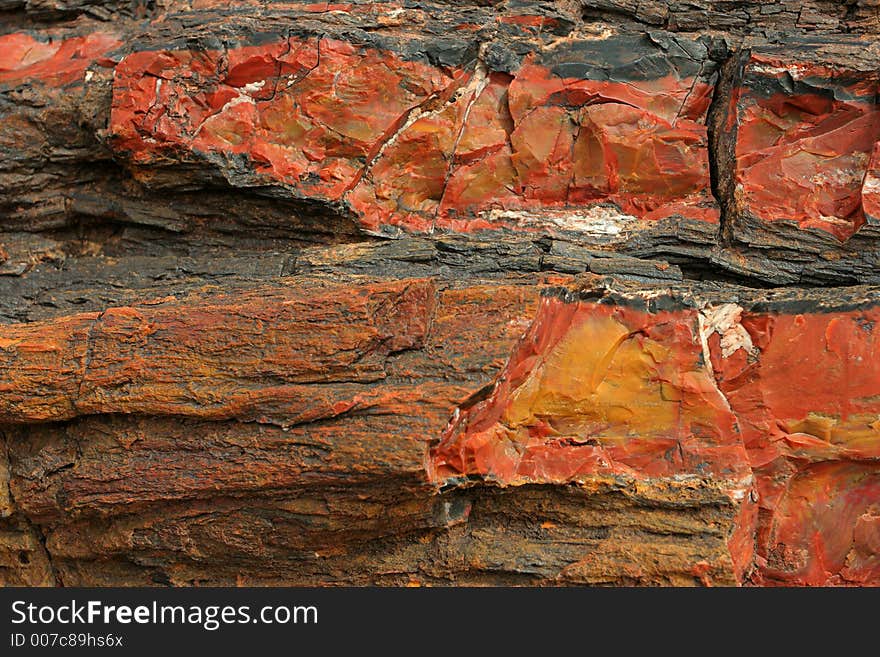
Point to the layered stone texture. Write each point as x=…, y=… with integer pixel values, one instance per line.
x=421, y=293
x=81, y=363
x=50, y=115
x=739, y=17
x=327, y=483
x=606, y=391
x=687, y=394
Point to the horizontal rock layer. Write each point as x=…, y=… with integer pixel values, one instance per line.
x=439, y=293
x=624, y=390
x=339, y=493
x=523, y=117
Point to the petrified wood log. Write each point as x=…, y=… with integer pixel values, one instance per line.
x=521, y=292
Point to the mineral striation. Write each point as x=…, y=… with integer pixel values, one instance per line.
x=530, y=292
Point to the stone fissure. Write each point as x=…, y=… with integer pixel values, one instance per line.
x=721, y=140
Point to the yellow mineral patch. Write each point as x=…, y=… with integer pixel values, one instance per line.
x=857, y=432
x=604, y=380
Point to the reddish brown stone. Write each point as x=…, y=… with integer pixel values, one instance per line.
x=804, y=388
x=212, y=372
x=871, y=187
x=407, y=145
x=604, y=389
x=596, y=390
x=52, y=61
x=207, y=360
x=805, y=135
x=275, y=104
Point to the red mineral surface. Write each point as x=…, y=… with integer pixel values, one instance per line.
x=598, y=390
x=805, y=387
x=410, y=145
x=515, y=292
x=805, y=138
x=781, y=400
x=52, y=61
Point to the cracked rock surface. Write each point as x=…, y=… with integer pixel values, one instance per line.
x=509, y=292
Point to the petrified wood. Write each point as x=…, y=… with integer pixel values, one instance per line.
x=416, y=292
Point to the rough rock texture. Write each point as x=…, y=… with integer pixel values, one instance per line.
x=796, y=150
x=451, y=144
x=522, y=292
x=699, y=385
